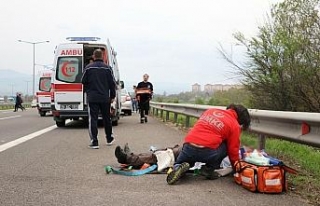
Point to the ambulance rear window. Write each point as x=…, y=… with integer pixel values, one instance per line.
x=69, y=69
x=45, y=84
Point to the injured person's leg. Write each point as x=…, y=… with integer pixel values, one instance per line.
x=135, y=160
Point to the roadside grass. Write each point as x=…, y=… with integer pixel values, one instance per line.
x=11, y=106
x=305, y=159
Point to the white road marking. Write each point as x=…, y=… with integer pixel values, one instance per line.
x=11, y=117
x=6, y=112
x=21, y=140
x=25, y=138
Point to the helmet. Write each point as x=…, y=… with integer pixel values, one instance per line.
x=244, y=118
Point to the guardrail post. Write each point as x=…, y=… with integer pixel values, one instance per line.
x=156, y=113
x=187, y=121
x=161, y=114
x=262, y=141
x=167, y=116
x=175, y=117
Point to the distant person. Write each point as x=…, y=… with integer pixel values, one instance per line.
x=91, y=60
x=18, y=103
x=99, y=84
x=144, y=91
x=134, y=100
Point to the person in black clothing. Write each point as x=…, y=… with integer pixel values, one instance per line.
x=99, y=84
x=18, y=103
x=144, y=93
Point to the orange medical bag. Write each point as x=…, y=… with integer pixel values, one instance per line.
x=261, y=178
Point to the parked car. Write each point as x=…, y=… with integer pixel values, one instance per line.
x=126, y=103
x=34, y=103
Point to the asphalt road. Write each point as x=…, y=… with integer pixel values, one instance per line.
x=57, y=168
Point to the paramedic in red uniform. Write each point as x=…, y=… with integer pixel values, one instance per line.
x=99, y=84
x=215, y=135
x=144, y=91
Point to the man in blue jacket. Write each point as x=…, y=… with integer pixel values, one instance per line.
x=99, y=84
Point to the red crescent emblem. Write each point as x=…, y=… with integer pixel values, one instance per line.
x=42, y=85
x=64, y=69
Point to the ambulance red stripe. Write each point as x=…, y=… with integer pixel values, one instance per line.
x=75, y=87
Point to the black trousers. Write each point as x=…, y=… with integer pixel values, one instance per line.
x=144, y=108
x=93, y=109
x=17, y=106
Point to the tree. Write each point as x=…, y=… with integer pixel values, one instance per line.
x=283, y=67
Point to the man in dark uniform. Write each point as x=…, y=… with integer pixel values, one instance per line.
x=99, y=84
x=144, y=93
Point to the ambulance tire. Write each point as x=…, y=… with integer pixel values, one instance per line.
x=42, y=114
x=61, y=123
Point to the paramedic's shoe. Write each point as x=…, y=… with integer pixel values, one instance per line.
x=176, y=174
x=94, y=146
x=145, y=119
x=120, y=155
x=126, y=149
x=142, y=120
x=109, y=143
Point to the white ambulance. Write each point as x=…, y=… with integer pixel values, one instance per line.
x=68, y=99
x=44, y=93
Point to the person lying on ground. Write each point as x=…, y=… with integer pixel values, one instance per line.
x=164, y=158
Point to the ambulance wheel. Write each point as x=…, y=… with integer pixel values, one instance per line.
x=61, y=123
x=42, y=114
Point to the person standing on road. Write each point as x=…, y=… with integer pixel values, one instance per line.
x=134, y=99
x=18, y=103
x=215, y=135
x=99, y=84
x=144, y=91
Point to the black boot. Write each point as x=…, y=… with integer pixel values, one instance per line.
x=121, y=155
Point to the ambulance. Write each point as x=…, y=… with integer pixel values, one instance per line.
x=44, y=94
x=68, y=99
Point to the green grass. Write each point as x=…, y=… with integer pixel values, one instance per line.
x=181, y=120
x=303, y=158
x=11, y=106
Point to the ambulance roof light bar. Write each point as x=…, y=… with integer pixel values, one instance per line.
x=83, y=38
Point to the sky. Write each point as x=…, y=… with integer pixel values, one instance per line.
x=174, y=41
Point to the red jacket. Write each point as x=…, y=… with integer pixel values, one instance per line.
x=213, y=127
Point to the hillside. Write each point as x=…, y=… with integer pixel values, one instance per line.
x=12, y=81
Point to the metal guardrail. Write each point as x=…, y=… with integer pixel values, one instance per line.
x=300, y=127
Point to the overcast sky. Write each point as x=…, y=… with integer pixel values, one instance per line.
x=171, y=40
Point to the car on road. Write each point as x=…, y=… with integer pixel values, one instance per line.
x=34, y=103
x=126, y=103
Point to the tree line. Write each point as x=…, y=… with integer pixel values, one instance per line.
x=282, y=67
